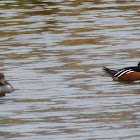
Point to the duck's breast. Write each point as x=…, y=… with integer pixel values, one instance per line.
x=7, y=88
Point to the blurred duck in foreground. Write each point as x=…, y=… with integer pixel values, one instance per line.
x=5, y=86
x=125, y=74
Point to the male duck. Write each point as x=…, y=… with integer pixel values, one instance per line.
x=125, y=74
x=5, y=86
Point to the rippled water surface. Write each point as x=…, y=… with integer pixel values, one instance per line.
x=52, y=52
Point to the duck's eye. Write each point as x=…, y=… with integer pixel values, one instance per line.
x=2, y=81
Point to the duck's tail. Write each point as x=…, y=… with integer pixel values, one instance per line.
x=109, y=71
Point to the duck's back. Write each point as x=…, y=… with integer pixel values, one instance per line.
x=137, y=69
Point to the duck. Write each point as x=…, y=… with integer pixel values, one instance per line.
x=129, y=74
x=5, y=86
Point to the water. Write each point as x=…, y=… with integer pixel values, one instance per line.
x=52, y=53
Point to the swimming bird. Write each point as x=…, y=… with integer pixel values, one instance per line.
x=5, y=86
x=124, y=74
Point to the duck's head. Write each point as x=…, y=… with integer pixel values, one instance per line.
x=2, y=79
x=139, y=64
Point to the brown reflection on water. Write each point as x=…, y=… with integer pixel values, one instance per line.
x=99, y=41
x=9, y=134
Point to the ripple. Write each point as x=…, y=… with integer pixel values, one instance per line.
x=53, y=53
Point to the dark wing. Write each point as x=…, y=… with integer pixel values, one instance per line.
x=121, y=72
x=137, y=69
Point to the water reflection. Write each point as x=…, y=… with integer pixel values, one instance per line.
x=52, y=53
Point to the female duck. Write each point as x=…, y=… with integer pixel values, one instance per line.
x=5, y=86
